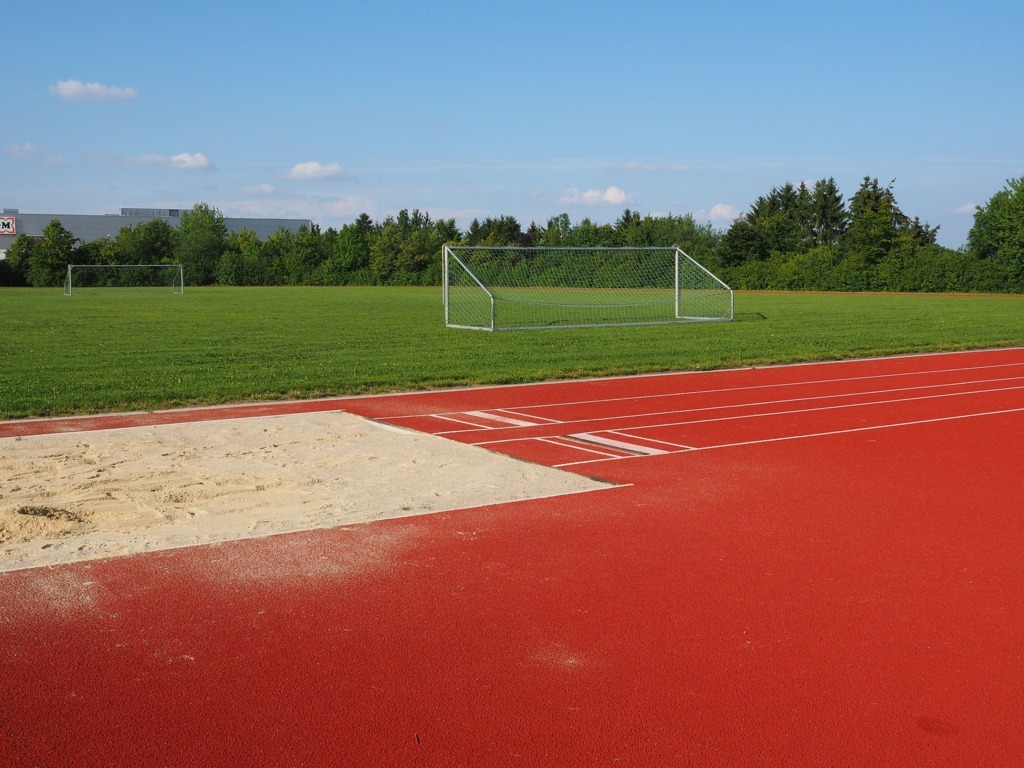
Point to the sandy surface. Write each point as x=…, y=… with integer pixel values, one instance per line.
x=87, y=495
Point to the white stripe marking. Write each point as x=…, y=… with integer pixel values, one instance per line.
x=805, y=399
x=446, y=417
x=536, y=420
x=785, y=438
x=793, y=412
x=620, y=444
x=677, y=446
x=502, y=419
x=562, y=443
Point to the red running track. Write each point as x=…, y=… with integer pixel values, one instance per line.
x=805, y=565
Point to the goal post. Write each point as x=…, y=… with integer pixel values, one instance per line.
x=515, y=288
x=124, y=278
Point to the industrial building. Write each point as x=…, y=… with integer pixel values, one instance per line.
x=89, y=227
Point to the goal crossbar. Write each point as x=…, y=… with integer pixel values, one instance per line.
x=513, y=288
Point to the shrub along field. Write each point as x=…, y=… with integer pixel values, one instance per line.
x=96, y=353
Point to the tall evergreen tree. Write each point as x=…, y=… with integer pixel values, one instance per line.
x=829, y=219
x=556, y=232
x=743, y=242
x=504, y=230
x=877, y=223
x=784, y=218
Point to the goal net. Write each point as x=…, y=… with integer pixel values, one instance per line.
x=514, y=288
x=124, y=278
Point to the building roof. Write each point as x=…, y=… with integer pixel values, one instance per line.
x=90, y=227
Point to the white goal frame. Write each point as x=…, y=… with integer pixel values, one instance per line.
x=518, y=288
x=175, y=285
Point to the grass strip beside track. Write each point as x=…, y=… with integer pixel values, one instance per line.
x=63, y=355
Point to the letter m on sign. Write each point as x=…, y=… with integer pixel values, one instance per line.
x=7, y=225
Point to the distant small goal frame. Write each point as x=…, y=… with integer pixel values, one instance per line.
x=493, y=288
x=131, y=278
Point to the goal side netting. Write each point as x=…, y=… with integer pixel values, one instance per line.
x=124, y=278
x=514, y=288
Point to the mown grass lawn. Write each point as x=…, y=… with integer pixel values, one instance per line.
x=93, y=353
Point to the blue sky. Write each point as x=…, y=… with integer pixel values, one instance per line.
x=325, y=110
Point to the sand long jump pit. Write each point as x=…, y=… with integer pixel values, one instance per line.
x=87, y=495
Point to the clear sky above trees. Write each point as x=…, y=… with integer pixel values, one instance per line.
x=474, y=110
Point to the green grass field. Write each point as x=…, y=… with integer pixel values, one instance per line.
x=521, y=308
x=83, y=354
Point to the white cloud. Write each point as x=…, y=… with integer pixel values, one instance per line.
x=185, y=161
x=22, y=150
x=316, y=170
x=328, y=212
x=349, y=206
x=33, y=153
x=191, y=161
x=610, y=196
x=724, y=212
x=970, y=208
x=75, y=90
x=260, y=189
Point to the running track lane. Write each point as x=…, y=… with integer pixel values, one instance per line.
x=850, y=598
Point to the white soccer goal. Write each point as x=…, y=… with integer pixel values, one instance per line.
x=124, y=278
x=514, y=288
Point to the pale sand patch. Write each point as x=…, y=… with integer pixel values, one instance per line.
x=86, y=495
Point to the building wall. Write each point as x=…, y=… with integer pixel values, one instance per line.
x=89, y=227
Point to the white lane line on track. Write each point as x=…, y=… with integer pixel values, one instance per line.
x=783, y=401
x=778, y=385
x=830, y=433
x=838, y=407
x=767, y=414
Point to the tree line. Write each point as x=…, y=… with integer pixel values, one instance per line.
x=795, y=237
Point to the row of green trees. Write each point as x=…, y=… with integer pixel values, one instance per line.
x=807, y=238
x=795, y=237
